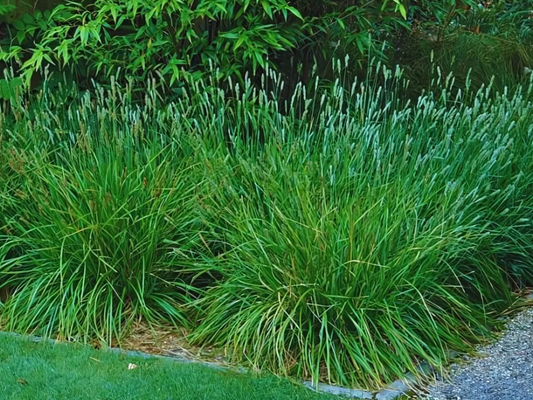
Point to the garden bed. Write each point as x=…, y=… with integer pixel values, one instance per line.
x=343, y=236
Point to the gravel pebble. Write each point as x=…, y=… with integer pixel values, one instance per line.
x=504, y=370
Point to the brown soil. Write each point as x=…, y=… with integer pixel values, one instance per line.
x=170, y=342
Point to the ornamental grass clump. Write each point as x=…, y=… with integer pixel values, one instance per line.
x=370, y=235
x=100, y=227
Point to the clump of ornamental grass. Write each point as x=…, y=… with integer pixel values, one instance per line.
x=102, y=225
x=370, y=235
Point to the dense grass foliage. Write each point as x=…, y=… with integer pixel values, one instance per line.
x=101, y=227
x=342, y=235
x=368, y=236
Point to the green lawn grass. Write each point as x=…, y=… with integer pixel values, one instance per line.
x=36, y=371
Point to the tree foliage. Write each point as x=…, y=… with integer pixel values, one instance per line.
x=175, y=37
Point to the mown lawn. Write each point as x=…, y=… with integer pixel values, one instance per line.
x=36, y=371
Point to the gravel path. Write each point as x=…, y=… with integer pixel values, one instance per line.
x=505, y=373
